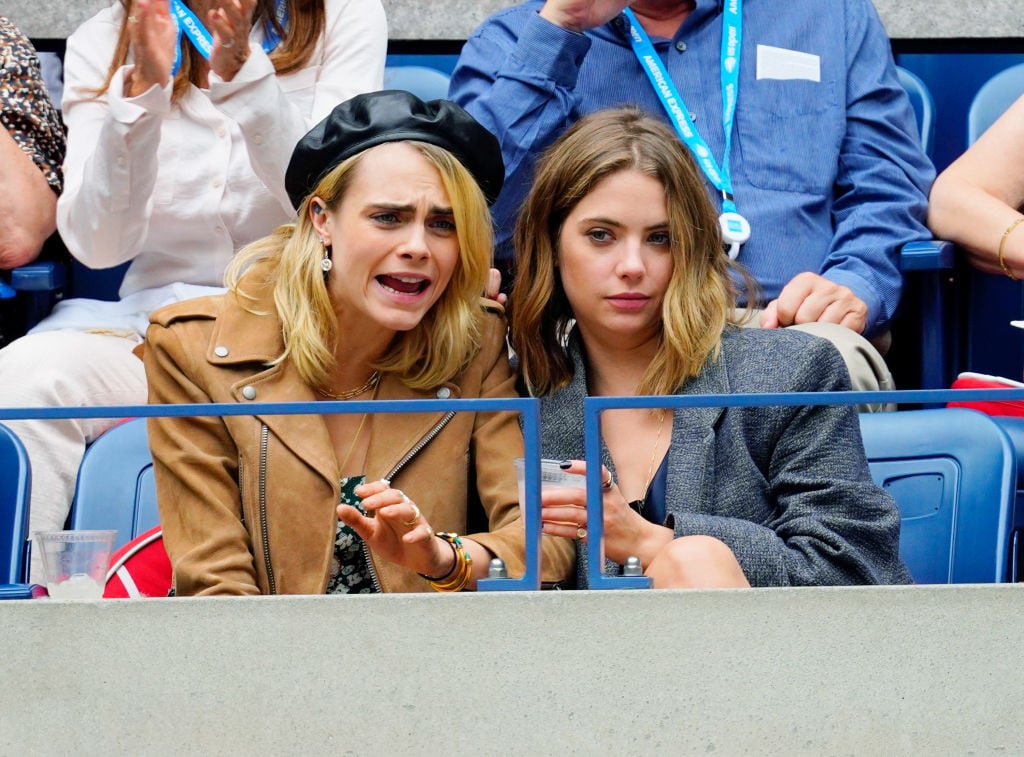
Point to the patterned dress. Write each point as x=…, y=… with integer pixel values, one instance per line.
x=25, y=108
x=350, y=571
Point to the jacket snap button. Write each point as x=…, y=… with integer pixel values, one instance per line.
x=220, y=351
x=249, y=392
x=444, y=393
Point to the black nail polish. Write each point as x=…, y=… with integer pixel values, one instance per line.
x=565, y=464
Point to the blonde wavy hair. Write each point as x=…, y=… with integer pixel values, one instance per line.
x=433, y=352
x=701, y=295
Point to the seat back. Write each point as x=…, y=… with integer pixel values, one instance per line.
x=923, y=104
x=952, y=472
x=116, y=487
x=424, y=82
x=15, y=487
x=992, y=99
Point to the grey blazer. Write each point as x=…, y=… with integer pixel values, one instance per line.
x=787, y=488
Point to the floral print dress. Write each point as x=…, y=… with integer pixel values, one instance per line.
x=350, y=570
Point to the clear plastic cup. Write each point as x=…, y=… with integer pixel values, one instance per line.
x=551, y=477
x=74, y=562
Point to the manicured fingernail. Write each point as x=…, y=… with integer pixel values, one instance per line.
x=565, y=464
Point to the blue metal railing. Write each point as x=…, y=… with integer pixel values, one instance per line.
x=529, y=410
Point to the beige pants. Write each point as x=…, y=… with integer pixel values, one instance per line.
x=867, y=368
x=64, y=369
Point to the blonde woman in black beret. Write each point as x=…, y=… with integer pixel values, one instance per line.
x=371, y=294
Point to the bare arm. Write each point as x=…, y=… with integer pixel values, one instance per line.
x=976, y=199
x=28, y=206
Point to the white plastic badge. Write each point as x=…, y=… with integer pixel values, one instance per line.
x=735, y=231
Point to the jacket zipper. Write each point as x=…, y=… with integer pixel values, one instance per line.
x=429, y=437
x=264, y=437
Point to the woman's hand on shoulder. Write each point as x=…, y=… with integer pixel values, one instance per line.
x=396, y=529
x=230, y=22
x=152, y=34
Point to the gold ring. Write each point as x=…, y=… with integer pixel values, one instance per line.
x=609, y=483
x=581, y=533
x=416, y=514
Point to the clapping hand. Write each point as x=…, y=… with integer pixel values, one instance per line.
x=152, y=35
x=230, y=22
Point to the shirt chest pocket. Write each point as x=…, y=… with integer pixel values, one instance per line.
x=789, y=133
x=300, y=88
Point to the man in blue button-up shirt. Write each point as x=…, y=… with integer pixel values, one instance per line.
x=825, y=163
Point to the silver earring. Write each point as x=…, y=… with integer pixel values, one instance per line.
x=326, y=264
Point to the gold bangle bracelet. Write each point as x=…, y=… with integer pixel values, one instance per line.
x=463, y=569
x=1002, y=247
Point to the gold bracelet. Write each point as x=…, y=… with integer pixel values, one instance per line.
x=463, y=570
x=1002, y=247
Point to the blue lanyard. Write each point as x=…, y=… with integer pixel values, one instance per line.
x=190, y=25
x=732, y=37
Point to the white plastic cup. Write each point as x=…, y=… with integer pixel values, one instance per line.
x=74, y=562
x=551, y=477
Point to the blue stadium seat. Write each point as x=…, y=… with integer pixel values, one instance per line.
x=116, y=487
x=424, y=82
x=15, y=487
x=992, y=99
x=952, y=472
x=1014, y=427
x=928, y=265
x=923, y=104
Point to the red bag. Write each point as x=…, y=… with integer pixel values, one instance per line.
x=140, y=568
x=989, y=407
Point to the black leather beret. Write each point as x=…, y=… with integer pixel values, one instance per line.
x=374, y=118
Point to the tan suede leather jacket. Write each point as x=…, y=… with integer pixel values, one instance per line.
x=248, y=503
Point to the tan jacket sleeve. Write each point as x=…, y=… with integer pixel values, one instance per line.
x=196, y=466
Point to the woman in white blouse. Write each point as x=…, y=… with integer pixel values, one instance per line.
x=175, y=160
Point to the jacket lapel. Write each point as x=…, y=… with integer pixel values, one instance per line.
x=691, y=454
x=251, y=335
x=404, y=430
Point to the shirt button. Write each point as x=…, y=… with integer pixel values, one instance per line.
x=258, y=139
x=221, y=131
x=681, y=46
x=216, y=183
x=693, y=116
x=121, y=160
x=444, y=393
x=249, y=392
x=220, y=351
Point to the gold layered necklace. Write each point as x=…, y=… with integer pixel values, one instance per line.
x=371, y=383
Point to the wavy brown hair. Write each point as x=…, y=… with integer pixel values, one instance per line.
x=701, y=295
x=306, y=22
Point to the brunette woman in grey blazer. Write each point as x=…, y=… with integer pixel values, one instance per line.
x=622, y=289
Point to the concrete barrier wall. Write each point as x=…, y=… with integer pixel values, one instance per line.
x=895, y=670
x=456, y=19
